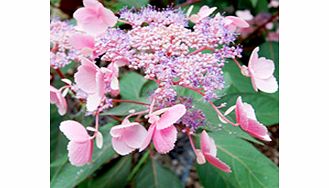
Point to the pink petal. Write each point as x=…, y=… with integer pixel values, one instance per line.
x=171, y=116
x=91, y=3
x=147, y=140
x=253, y=58
x=269, y=85
x=80, y=153
x=217, y=163
x=240, y=112
x=200, y=159
x=238, y=21
x=256, y=129
x=249, y=111
x=134, y=136
x=263, y=68
x=244, y=14
x=80, y=41
x=74, y=131
x=205, y=11
x=164, y=140
x=57, y=98
x=85, y=77
x=88, y=19
x=93, y=101
x=94, y=18
x=99, y=140
x=121, y=147
x=115, y=84
x=195, y=18
x=119, y=130
x=207, y=144
x=53, y=95
x=108, y=17
x=100, y=84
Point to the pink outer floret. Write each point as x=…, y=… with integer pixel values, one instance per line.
x=127, y=137
x=246, y=118
x=80, y=147
x=204, y=12
x=57, y=99
x=84, y=43
x=209, y=150
x=162, y=131
x=261, y=72
x=93, y=18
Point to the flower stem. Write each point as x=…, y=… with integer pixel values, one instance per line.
x=138, y=166
x=201, y=49
x=130, y=101
x=237, y=63
x=214, y=107
x=221, y=115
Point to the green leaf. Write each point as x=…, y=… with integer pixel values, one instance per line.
x=123, y=109
x=254, y=2
x=58, y=142
x=262, y=6
x=153, y=175
x=236, y=81
x=148, y=88
x=131, y=84
x=250, y=168
x=116, y=177
x=134, y=3
x=70, y=176
x=266, y=107
x=212, y=120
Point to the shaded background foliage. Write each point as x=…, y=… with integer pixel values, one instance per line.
x=251, y=168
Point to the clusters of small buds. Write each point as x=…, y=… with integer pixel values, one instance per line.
x=162, y=46
x=61, y=52
x=114, y=46
x=193, y=117
x=151, y=16
x=165, y=96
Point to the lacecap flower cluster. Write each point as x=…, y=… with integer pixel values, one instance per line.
x=170, y=47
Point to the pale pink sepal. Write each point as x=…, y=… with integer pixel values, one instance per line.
x=217, y=163
x=91, y=80
x=200, y=159
x=58, y=99
x=162, y=131
x=83, y=42
x=171, y=116
x=244, y=14
x=148, y=138
x=94, y=18
x=127, y=137
x=85, y=77
x=209, y=151
x=246, y=118
x=80, y=147
x=164, y=139
x=261, y=73
x=233, y=22
x=204, y=12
